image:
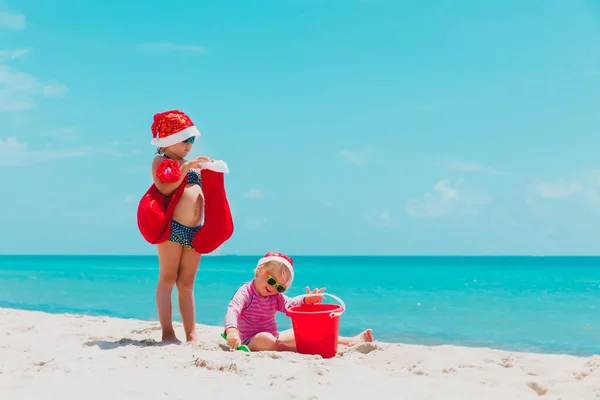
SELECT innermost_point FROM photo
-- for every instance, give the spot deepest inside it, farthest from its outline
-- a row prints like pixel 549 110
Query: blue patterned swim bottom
pixel 182 234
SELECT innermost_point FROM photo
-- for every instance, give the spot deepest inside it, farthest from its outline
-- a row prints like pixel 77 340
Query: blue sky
pixel 350 127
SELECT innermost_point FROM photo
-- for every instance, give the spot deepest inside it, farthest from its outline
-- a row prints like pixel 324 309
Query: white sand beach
pixel 46 356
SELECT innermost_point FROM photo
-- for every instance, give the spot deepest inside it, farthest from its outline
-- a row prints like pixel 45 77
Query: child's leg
pixel 287 337
pixel 188 267
pixel 265 341
pixel 169 255
pixel 364 336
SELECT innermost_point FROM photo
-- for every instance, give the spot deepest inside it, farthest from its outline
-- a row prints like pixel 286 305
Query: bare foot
pixel 170 338
pixel 280 346
pixel 363 337
pixel 191 338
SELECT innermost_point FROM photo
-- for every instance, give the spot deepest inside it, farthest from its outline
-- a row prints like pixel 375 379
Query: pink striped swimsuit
pixel 252 314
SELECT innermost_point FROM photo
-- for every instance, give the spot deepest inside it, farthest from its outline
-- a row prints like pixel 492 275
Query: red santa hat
pixel 171 127
pixel 280 257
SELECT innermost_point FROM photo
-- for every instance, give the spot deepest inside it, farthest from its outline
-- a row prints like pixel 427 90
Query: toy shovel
pixel 242 347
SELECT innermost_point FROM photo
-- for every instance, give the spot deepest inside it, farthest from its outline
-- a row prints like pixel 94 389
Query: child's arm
pixel 287 302
pixel 284 302
pixel 235 308
pixel 167 174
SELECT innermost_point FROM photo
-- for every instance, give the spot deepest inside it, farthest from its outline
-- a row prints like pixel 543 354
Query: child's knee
pixel 167 279
pixel 263 341
pixel 265 337
pixel 184 286
pixel 185 283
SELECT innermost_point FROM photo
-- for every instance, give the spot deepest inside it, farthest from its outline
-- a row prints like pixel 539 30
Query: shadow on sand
pixel 224 347
pixel 108 345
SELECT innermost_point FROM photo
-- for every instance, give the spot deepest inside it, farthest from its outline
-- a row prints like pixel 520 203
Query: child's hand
pixel 233 339
pixel 195 163
pixel 313 299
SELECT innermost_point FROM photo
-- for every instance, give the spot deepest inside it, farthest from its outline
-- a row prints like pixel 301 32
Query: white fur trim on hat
pixel 176 137
pixel 281 260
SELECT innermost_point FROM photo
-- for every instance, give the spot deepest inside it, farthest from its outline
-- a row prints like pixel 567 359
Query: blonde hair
pixel 160 150
pixel 274 267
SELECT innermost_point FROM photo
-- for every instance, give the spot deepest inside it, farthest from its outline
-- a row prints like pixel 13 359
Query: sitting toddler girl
pixel 250 318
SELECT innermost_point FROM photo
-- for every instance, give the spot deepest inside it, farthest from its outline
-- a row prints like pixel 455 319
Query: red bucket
pixel 316 326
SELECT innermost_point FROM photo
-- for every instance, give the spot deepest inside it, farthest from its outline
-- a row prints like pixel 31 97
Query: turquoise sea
pixel 539 304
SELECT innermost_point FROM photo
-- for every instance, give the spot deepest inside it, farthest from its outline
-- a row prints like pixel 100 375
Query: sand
pixel 48 356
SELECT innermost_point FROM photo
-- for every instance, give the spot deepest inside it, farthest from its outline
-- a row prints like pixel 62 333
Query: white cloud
pixel 256 223
pixel 328 204
pixel 129 198
pixel 581 186
pixel 168 46
pixel 465 166
pixel 15 153
pixel 355 157
pixel 54 89
pixel 558 190
pixel 12 54
pixel 385 216
pixel 12 20
pixel 378 218
pixel 253 194
pixel 18 90
pixel 65 134
pixel 445 199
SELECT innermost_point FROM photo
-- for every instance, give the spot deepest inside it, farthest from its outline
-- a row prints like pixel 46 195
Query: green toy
pixel 242 347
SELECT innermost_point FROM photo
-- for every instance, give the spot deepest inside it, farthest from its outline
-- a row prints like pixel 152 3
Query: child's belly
pixel 190 208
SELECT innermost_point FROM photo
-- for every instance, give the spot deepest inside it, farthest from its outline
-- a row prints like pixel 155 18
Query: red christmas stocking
pixel 155 210
pixel 218 222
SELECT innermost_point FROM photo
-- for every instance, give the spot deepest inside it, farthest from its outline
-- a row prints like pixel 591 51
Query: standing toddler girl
pixel 185 213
